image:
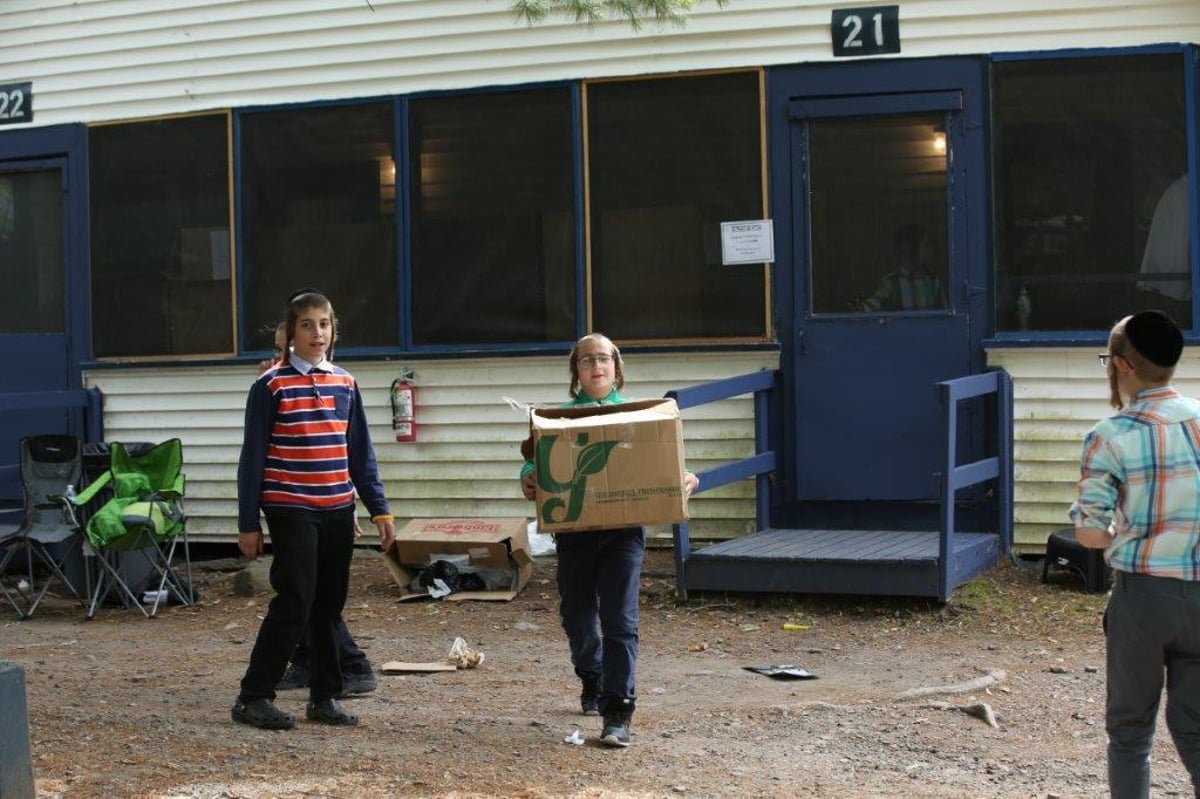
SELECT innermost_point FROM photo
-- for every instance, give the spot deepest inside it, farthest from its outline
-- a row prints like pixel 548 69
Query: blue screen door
pixel 881 305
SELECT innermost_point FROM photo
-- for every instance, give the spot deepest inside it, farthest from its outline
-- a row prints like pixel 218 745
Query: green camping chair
pixel 144 516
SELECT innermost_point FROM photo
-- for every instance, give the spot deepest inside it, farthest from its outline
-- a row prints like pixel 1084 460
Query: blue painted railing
pixel 999 467
pixel 760 465
pixel 952 478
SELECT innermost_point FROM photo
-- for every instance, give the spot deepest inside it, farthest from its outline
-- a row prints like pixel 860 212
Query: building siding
pixel 97 60
pixel 1059 393
pixel 105 60
pixel 466 459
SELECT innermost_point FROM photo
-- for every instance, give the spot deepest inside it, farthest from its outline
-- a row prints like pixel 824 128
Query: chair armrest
pixel 67 504
pixel 173 491
pixel 85 496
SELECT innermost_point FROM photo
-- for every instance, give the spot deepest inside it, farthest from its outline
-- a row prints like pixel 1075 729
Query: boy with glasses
pixel 599 571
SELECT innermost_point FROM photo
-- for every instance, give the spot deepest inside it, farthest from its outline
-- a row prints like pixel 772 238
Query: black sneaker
pixel 589 697
pixel 355 684
pixel 616 729
pixel 295 677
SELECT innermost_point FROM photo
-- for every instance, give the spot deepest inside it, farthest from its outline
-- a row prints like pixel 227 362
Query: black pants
pixel 353 660
pixel 1153 635
pixel 310 574
pixel 599 574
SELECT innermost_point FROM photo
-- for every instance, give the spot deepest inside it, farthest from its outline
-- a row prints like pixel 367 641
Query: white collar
pixel 304 367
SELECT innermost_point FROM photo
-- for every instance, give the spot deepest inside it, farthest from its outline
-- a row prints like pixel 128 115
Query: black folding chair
pixel 50 468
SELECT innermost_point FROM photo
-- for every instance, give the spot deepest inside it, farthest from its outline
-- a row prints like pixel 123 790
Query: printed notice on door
pixel 748 242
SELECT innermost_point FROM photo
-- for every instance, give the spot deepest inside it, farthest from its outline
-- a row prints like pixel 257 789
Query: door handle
pixel 800 340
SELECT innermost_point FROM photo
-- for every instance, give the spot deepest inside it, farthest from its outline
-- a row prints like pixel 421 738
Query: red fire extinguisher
pixel 404 406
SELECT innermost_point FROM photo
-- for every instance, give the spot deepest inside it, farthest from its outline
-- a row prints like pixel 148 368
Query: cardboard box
pixel 608 466
pixel 496 543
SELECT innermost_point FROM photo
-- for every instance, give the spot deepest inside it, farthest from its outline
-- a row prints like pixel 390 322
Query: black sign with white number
pixel 16 103
pixel 866 31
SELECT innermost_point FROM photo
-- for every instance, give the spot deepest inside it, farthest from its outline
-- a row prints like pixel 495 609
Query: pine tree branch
pixel 594 12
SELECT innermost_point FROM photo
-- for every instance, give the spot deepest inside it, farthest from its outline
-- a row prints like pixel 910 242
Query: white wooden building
pixel 102 82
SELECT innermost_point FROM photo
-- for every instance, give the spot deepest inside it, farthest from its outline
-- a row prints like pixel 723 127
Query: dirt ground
pixel 122 706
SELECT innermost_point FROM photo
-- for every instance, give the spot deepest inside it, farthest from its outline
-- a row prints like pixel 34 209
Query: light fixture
pixel 387 172
pixel 939 139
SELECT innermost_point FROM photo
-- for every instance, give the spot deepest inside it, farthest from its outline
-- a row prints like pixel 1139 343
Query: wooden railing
pixel 760 465
pixel 998 467
pixel 952 477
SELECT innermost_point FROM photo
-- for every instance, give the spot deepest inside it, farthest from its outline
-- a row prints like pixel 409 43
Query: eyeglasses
pixel 1104 356
pixel 588 361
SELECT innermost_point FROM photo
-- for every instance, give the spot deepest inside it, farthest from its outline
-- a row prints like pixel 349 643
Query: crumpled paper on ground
pixel 784 672
pixel 439 589
pixel 463 656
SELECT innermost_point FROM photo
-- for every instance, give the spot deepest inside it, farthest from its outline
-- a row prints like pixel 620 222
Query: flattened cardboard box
pixel 608 466
pixel 495 542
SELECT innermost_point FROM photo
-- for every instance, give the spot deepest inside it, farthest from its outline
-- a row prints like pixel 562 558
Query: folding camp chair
pixel 144 517
pixel 50 468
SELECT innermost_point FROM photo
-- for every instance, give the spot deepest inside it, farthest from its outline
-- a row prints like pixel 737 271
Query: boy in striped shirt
pixel 306 449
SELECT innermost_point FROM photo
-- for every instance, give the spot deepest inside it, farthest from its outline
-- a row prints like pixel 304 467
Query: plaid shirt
pixel 1140 474
pixel 906 291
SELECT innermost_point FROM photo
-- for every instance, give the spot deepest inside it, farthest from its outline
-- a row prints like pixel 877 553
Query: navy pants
pixel 599 574
pixel 1153 629
pixel 353 660
pixel 310 573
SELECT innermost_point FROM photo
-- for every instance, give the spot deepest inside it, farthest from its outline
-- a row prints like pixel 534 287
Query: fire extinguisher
pixel 404 406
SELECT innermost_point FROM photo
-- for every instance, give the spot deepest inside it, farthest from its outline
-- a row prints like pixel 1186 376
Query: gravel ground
pixel 127 707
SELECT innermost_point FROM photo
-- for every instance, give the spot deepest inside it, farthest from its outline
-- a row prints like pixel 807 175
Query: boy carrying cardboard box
pixel 585 477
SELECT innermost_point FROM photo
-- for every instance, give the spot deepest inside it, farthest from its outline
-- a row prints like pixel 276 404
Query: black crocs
pixel 328 711
pixel 263 714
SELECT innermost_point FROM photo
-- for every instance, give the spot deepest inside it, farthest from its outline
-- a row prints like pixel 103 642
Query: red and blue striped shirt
pixel 306 444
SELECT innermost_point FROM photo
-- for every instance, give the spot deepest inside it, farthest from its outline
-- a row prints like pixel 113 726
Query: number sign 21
pixel 865 31
pixel 16 103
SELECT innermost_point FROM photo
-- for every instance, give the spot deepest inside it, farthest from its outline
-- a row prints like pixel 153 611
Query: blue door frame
pixel 43 393
pixel 819 353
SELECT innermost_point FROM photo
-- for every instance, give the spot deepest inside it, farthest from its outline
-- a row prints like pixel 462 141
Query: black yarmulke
pixel 301 292
pixel 1155 337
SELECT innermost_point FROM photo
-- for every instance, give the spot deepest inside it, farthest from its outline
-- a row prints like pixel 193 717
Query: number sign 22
pixel 16 103
pixel 865 31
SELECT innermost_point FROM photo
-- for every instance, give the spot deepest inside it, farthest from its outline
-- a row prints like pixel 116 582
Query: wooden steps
pixel 823 561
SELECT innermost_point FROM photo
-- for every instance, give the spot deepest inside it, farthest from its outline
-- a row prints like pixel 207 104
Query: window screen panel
pixel 160 249
pixel 31 250
pixel 319 210
pixel 668 161
pixel 1090 155
pixel 493 218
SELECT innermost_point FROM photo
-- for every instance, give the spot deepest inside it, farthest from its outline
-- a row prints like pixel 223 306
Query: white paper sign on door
pixel 748 242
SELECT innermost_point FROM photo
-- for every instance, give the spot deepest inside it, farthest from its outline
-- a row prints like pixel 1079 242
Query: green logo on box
pixel 592 459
